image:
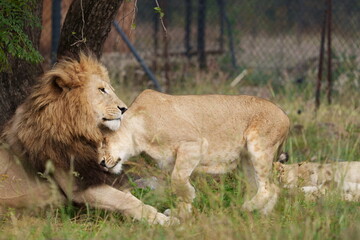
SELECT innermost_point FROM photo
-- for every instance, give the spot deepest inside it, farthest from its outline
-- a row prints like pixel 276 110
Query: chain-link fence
pixel 274 34
pixel 266 34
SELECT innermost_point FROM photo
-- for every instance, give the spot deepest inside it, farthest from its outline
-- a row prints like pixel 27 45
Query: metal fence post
pixel 321 59
pixel 137 56
pixel 221 6
pixel 329 63
pixel 55 28
pixel 201 34
pixel 188 18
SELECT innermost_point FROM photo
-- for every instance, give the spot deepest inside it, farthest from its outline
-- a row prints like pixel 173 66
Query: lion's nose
pixel 102 163
pixel 122 109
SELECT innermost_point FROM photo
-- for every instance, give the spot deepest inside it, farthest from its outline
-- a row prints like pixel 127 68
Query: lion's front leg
pixel 109 198
pixel 188 157
pixel 106 197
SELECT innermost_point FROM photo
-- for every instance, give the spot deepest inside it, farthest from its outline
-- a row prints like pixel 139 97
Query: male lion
pixel 315 179
pixel 61 126
pixel 204 133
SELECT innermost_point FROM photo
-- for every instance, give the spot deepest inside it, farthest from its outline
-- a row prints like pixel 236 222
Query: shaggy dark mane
pixel 56 123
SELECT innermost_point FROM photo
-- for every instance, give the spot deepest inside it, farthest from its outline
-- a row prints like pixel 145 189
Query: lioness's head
pixel 106 161
pixel 296 174
pixel 287 174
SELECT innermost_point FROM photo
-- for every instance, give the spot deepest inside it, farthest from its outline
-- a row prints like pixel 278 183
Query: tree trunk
pixel 86 26
pixel 16 82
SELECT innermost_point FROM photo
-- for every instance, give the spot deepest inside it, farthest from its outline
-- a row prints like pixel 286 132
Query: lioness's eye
pixel 102 90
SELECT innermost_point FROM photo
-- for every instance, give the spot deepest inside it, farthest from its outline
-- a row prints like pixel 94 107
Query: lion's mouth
pixel 112 123
pixel 112 119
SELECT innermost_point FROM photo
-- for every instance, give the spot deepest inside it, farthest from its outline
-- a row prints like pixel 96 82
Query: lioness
pixel 315 179
pixel 58 131
pixel 204 133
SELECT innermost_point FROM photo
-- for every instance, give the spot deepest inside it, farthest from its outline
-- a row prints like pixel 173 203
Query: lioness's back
pixel 210 116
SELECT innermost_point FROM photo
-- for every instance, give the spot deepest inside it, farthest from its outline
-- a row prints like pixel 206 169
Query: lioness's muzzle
pixel 106 165
pixel 103 164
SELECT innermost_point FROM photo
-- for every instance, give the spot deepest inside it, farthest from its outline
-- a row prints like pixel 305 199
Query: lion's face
pixel 84 88
pixel 107 107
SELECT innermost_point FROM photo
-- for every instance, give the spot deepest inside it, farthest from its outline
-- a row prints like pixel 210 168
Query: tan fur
pixel 205 133
pixel 19 190
pixel 315 179
pixel 63 121
pixel 105 159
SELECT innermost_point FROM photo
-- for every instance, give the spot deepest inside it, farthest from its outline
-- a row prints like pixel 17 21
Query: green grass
pixel 333 133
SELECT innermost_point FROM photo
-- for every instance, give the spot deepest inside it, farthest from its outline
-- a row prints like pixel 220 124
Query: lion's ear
pixel 63 81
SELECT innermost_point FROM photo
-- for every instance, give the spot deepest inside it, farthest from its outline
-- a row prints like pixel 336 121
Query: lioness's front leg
pixel 188 157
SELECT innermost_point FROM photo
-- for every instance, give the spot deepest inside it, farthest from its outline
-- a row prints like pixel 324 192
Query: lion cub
pixel 315 179
pixel 203 133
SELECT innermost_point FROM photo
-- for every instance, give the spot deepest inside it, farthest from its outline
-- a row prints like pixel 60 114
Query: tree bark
pixel 86 26
pixel 15 83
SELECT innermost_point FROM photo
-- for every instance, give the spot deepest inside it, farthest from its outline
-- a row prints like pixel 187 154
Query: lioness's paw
pixel 164 220
pixel 248 206
pixel 167 212
pixel 183 211
pixel 172 221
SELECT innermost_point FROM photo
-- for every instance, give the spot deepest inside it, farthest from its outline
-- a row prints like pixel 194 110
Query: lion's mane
pixel 58 125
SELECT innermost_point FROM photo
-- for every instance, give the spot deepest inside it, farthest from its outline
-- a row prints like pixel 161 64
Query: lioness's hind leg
pixel 188 157
pixel 249 175
pixel 261 156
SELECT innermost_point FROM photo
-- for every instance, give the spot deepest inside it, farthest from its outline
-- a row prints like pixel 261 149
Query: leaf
pixel 14 16
pixel 157 9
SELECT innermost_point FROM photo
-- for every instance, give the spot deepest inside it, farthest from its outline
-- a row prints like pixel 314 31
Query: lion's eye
pixel 102 90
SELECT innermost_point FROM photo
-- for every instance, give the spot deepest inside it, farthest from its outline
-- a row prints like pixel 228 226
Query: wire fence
pixel 266 34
